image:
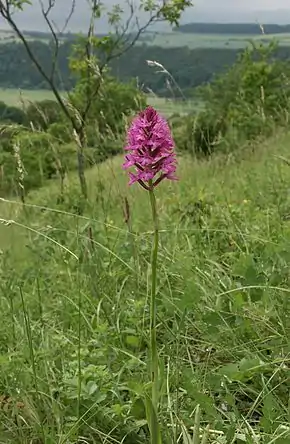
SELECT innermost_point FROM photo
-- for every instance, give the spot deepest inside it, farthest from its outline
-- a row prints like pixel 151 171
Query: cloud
pixel 204 10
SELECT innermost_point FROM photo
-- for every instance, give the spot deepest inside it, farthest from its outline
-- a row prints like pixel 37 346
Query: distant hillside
pixel 232 28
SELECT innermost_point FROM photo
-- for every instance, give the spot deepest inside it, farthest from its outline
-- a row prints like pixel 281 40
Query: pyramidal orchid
pixel 150 150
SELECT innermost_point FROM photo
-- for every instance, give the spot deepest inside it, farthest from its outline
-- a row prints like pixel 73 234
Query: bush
pixel 198 134
pixel 62 132
pixel 41 159
pixel 115 101
pixel 107 148
pixel 249 101
pixel 11 114
pixel 208 133
pixel 43 114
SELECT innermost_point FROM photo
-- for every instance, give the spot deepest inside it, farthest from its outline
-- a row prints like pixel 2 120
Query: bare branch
pixel 72 10
pixel 118 41
pixel 45 13
pixel 6 12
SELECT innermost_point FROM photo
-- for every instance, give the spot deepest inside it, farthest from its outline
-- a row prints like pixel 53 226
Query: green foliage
pixel 11 114
pixel 40 157
pixel 208 132
pixel 171 11
pixel 190 67
pixel 61 131
pixel 75 336
pixel 43 113
pixel 247 102
pixel 49 150
pixel 46 156
pixel 199 134
pixel 36 157
pixel 18 4
pixel 114 102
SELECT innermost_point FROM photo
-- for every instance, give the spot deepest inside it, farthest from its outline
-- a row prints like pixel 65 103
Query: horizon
pixel 217 22
pixel 204 11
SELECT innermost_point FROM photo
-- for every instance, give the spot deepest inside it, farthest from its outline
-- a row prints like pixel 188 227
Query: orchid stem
pixel 153 318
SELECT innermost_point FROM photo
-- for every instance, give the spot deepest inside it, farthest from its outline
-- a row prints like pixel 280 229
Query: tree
pixel 124 35
pixel 246 102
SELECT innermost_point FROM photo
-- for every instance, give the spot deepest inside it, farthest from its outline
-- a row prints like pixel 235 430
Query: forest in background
pixel 189 68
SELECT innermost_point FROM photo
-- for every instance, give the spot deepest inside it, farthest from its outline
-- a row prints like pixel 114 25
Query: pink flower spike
pixel 150 150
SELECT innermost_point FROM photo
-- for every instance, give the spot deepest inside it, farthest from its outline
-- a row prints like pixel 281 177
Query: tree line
pixel 189 67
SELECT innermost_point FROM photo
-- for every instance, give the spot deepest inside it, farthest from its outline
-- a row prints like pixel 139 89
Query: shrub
pixel 11 114
pixel 208 133
pixel 198 134
pixel 41 158
pixel 115 101
pixel 250 100
pixel 43 114
pixel 62 132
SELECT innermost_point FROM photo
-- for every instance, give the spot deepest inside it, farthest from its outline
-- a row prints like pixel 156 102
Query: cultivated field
pixel 16 97
pixel 192 40
pixel 9 36
pixel 167 107
pixel 178 39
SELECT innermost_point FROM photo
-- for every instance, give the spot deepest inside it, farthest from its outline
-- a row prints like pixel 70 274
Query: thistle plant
pixel 150 151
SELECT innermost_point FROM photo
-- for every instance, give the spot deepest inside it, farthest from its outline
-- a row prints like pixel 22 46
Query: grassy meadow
pixel 167 107
pixel 74 305
pixel 16 97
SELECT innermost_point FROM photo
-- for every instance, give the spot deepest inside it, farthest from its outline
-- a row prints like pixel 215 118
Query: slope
pixel 74 296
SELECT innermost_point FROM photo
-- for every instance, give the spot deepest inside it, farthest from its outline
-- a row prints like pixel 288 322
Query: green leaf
pixel 231 371
pixel 133 341
pixel 253 364
pixel 152 421
pixel 19 4
pixel 138 409
pixel 91 387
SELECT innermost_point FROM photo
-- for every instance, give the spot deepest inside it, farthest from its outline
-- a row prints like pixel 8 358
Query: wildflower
pixel 150 149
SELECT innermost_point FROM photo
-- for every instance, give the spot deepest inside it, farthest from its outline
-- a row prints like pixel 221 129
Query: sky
pixel 274 11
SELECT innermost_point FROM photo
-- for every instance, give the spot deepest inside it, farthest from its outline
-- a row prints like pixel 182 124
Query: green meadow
pixel 14 97
pixel 74 286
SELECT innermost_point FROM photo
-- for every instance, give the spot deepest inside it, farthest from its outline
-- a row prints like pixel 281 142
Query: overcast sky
pixel 274 11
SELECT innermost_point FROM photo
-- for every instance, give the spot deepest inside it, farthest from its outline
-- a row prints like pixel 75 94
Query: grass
pixel 74 305
pixel 14 97
pixel 194 41
pixel 170 106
